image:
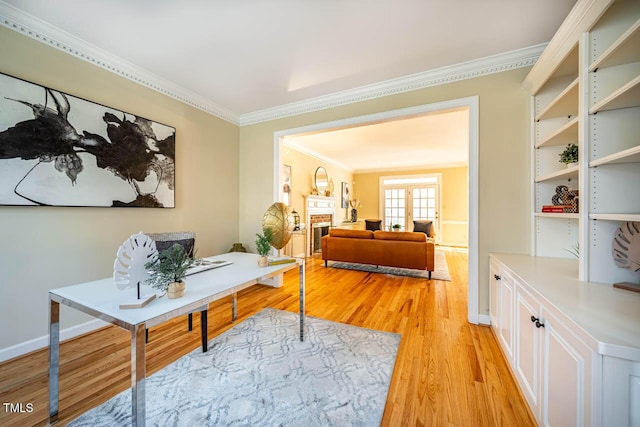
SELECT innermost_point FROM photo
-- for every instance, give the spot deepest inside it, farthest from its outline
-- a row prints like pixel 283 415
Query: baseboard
pixel 43 341
pixel 484 319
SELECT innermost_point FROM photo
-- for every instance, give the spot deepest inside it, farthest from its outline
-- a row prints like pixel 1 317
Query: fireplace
pixel 318 230
pixel 320 212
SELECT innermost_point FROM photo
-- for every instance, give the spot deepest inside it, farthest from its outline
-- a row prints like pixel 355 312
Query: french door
pixel 405 203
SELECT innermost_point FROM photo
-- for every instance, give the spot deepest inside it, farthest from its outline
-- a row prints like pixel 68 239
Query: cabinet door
pixel 505 309
pixel 620 392
pixel 494 296
pixel 566 375
pixel 528 348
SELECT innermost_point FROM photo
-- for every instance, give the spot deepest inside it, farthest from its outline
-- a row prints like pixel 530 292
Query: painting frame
pixel 58 149
pixel 286 184
pixel 346 195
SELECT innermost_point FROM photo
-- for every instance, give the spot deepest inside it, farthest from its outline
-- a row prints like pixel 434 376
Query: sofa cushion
pixel 373 224
pixel 406 236
pixel 423 226
pixel 354 234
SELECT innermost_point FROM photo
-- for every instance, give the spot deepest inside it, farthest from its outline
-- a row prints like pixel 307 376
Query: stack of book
pixel 556 208
pixel 280 260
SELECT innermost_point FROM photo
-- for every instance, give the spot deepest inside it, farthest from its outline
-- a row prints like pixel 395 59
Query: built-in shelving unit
pixel 586 91
pixel 613 135
pixel 556 124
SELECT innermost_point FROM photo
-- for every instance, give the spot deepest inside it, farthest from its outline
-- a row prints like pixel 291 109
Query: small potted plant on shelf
pixel 263 246
pixel 168 270
pixel 396 227
pixel 570 155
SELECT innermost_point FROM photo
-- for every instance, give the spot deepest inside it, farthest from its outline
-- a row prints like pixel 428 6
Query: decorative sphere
pixel 277 218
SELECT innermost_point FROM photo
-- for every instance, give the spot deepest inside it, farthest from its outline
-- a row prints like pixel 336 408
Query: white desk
pixel 101 299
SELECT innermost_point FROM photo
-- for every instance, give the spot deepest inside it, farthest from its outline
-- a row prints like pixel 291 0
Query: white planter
pixel 263 261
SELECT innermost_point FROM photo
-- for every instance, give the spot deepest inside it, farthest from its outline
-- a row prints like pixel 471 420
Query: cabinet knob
pixel 535 320
pixel 495 276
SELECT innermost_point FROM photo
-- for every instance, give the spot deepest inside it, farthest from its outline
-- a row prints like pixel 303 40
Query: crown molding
pixel 28 25
pixel 520 58
pixel 581 19
pixel 46 33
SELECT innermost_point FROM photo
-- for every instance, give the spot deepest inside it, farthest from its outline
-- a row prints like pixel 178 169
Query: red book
pixel 553 209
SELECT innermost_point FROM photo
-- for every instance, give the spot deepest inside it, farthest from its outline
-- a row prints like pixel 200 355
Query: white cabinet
pixel 621 392
pixel 528 348
pixel 573 346
pixel 566 373
pixel 501 309
pixel 552 365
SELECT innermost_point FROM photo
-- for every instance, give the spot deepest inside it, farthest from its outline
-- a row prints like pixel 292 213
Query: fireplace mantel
pixel 318 206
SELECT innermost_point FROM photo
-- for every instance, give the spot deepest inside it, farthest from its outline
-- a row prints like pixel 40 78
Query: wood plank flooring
pixel 448 372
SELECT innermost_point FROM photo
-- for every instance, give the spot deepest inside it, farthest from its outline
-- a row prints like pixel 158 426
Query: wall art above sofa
pixel 60 150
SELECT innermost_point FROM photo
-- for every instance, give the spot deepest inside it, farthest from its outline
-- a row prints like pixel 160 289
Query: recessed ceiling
pixel 439 139
pixel 248 56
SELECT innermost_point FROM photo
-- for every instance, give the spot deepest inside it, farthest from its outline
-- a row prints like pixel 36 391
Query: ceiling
pixel 247 56
pixel 250 61
pixel 439 139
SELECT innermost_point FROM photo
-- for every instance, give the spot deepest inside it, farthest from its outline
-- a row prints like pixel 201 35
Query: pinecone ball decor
pixel 278 219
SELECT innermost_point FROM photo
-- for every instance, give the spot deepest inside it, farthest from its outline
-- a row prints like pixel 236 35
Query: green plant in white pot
pixel 168 270
pixel 396 227
pixel 570 155
pixel 263 246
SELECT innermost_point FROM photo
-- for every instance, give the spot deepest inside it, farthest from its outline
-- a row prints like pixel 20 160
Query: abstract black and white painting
pixel 60 150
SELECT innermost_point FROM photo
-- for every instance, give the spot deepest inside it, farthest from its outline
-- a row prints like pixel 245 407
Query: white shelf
pixel 565 135
pixel 616 217
pixel 557 215
pixel 626 96
pixel 568 173
pixel 632 155
pixel 565 104
pixel 623 51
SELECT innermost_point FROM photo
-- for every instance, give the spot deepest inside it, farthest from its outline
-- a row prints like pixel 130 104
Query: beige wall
pixel 454 197
pixel 48 247
pixel 303 168
pixel 504 159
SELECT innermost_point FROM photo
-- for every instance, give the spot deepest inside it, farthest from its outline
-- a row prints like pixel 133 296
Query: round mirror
pixel 321 180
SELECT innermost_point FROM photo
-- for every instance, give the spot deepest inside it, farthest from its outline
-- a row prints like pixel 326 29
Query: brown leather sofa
pixel 395 249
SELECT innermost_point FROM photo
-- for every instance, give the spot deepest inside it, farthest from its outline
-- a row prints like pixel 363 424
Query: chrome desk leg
pixel 302 292
pixel 54 358
pixel 138 374
pixel 234 306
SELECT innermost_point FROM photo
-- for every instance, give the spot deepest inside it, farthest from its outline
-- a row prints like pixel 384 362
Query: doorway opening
pixel 472 106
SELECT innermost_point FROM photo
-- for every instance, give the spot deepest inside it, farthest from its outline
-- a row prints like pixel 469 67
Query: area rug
pixel 258 373
pixel 440 272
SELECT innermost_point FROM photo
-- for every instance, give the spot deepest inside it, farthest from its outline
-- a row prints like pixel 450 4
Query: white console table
pixel 102 299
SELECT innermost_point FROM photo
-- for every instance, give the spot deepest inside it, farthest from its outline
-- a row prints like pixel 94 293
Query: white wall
pixel 47 247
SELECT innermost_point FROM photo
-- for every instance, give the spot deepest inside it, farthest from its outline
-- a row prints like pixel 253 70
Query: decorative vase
pixel 176 289
pixel 570 165
pixel 263 261
pixel 354 215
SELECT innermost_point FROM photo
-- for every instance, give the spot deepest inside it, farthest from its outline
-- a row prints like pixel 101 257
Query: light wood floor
pixel 448 372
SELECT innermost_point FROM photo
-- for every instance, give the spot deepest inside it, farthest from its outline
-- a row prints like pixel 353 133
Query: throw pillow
pixel 373 224
pixel 423 226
